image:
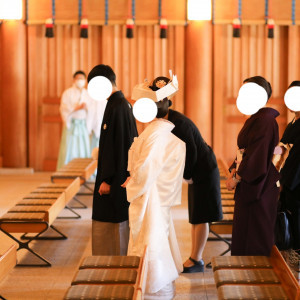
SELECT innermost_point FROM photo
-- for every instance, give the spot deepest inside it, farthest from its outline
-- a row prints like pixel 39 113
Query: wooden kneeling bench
pixel 255 277
pixel 34 219
pixel 83 168
pixel 251 292
pixel 111 262
pixel 7 262
pixel 109 277
pixel 70 189
pixel 116 292
pixel 222 227
pixel 50 190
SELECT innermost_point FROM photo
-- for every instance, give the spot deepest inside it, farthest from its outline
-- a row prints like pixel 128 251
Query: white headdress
pixel 143 90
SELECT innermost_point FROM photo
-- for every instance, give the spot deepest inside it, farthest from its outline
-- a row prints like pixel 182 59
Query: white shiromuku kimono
pixel 156 163
pixel 75 138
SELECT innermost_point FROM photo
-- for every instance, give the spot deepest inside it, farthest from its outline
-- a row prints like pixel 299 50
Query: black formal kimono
pixel 204 197
pixel 118 130
pixel 290 179
pixel 256 195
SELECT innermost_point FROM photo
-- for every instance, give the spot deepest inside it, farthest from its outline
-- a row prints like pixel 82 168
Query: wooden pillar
pixel 13 94
pixel 198 76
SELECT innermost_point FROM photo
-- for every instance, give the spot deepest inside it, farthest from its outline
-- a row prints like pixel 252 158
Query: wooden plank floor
pixel 65 255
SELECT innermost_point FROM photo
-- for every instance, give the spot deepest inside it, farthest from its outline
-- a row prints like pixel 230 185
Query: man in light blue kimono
pixel 75 141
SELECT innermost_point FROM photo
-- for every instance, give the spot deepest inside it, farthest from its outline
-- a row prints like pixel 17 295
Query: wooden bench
pixel 47 190
pixel 83 168
pixel 34 214
pixel 223 169
pixel 224 226
pixel 7 262
pixel 255 277
pixel 79 167
pixel 109 277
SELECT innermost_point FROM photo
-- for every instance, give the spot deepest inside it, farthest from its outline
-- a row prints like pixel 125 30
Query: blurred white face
pixel 292 98
pixel 100 88
pixel 251 98
pixel 80 80
pixel 145 110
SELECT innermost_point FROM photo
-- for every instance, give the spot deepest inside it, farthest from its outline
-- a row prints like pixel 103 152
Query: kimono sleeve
pixel 66 107
pixel 145 171
pixel 233 166
pixel 290 173
pixel 185 133
pixel 259 150
pixel 119 137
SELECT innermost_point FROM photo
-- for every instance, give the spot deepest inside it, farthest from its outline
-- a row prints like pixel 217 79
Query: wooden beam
pixel 13 91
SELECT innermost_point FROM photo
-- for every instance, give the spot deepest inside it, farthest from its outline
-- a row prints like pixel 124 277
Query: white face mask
pixel 80 83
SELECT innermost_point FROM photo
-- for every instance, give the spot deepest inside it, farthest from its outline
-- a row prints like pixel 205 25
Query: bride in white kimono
pixel 156 163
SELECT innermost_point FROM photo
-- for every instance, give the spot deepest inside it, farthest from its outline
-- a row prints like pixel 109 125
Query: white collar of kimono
pixel 159 126
pixel 251 98
pixel 163 124
pixel 292 98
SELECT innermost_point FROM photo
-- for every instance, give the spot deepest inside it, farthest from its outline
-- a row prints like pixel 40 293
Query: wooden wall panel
pixel 67 11
pixel 1 99
pixel 253 11
pixel 95 9
pixel 13 94
pixel 53 61
pixel 198 92
pixel 237 59
pixel 39 9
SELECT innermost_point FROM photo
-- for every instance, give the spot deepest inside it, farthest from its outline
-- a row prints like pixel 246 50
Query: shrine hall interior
pixel 209 62
pixel 199 47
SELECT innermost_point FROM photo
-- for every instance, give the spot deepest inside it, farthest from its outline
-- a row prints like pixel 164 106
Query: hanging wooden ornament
pixel 84 28
pixel 269 21
pixel 163 28
pixel 83 21
pixel 50 23
pixel 270 28
pixel 129 28
pixel 163 24
pixel 130 20
pixel 49 28
pixel 236 28
pixel 237 22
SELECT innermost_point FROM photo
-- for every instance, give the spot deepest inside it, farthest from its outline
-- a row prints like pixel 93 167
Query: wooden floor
pixel 65 255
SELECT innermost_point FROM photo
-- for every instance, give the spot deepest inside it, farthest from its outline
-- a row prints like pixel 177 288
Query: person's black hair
pixel 294 83
pixel 103 70
pixel 79 72
pixel 163 105
pixel 262 82
pixel 153 86
pixel 162 108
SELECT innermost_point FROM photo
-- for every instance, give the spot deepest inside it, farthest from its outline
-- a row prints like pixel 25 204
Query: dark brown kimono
pixel 256 195
pixel 290 179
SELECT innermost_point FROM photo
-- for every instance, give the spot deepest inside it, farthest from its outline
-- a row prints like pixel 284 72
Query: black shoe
pixel 197 267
